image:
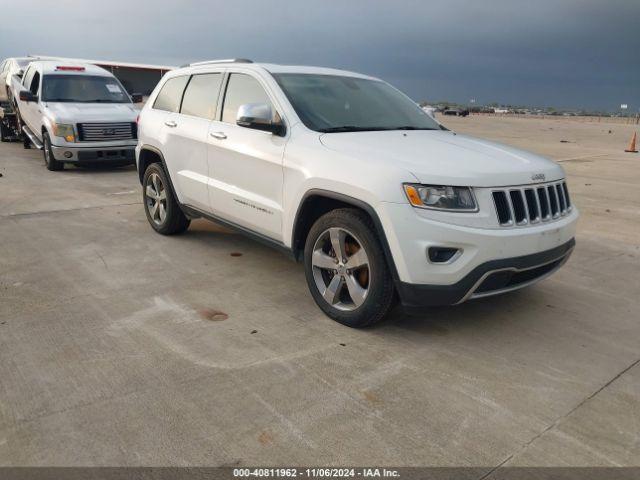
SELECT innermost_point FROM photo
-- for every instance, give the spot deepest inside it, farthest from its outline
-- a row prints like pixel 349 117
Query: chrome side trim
pixel 32 137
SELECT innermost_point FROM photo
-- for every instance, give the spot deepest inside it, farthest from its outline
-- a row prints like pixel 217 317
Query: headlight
pixel 65 131
pixel 441 197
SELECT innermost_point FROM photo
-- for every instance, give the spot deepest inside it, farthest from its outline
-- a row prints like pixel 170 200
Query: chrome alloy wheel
pixel 341 269
pixel 156 199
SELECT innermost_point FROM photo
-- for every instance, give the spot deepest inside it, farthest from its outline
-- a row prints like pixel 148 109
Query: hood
pixel 64 112
pixel 446 158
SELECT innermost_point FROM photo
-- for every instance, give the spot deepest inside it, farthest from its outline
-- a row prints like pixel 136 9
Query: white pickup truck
pixel 76 113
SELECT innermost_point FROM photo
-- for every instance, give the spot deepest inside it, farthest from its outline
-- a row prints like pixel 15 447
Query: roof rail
pixel 229 60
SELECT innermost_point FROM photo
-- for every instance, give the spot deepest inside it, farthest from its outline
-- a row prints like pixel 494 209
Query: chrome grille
pixel 519 206
pixel 104 132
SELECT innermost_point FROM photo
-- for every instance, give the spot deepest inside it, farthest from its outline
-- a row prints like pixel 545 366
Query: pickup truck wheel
pixel 51 163
pixel 26 143
pixel 160 205
pixel 346 270
pixel 4 132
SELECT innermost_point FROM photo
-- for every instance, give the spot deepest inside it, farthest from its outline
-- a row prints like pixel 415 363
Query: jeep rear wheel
pixel 346 270
pixel 160 205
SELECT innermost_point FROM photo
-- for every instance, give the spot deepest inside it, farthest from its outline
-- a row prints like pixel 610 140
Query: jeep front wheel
pixel 346 269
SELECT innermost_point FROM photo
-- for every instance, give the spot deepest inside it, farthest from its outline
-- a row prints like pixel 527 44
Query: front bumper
pixel 490 278
pixel 102 154
pixel 490 260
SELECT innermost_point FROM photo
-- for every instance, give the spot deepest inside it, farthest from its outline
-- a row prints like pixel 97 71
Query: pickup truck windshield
pixel 82 89
pixel 334 103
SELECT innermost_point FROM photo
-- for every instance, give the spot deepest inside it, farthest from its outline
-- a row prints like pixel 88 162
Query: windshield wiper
pixel 350 128
pixel 409 127
pixel 353 128
pixel 75 100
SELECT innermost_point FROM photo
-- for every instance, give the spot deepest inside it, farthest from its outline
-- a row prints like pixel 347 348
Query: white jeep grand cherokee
pixel 345 172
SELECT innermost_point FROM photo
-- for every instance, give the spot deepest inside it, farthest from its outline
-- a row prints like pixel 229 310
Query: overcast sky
pixel 565 53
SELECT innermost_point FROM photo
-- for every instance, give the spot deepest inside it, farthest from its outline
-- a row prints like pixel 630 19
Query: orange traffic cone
pixel 632 145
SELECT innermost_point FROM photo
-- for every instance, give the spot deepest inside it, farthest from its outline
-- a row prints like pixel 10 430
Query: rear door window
pixel 201 96
pixel 170 95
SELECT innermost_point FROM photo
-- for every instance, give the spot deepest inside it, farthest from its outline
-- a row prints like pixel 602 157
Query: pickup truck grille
pixel 519 206
pixel 104 132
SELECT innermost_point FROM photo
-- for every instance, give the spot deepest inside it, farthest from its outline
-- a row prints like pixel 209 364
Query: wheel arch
pixel 146 157
pixel 317 202
pixel 45 128
pixel 149 155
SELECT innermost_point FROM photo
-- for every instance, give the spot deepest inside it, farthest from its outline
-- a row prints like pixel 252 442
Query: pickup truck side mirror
pixel 136 97
pixel 258 116
pixel 27 96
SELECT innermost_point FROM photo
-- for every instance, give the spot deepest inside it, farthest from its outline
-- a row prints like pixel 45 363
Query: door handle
pixel 171 124
pixel 218 135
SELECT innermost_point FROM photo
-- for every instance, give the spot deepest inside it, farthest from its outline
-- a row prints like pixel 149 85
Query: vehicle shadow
pixel 484 314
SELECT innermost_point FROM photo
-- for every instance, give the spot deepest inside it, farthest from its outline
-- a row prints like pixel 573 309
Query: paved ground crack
pixel 561 418
pixel 48 212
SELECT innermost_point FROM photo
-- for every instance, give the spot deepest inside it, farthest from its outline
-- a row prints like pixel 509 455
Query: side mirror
pixel 136 97
pixel 258 116
pixel 27 96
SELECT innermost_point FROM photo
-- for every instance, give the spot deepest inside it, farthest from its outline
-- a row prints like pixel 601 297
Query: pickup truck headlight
pixel 65 131
pixel 441 197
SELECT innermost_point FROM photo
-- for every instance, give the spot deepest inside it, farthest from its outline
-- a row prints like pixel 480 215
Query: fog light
pixel 68 154
pixel 443 254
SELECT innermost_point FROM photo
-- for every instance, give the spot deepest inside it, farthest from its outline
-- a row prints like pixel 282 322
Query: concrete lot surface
pixel 122 347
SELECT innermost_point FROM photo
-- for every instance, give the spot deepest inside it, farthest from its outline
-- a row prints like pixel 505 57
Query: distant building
pixel 135 77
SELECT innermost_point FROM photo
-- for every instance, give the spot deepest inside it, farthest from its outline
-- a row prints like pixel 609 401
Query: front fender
pixel 47 124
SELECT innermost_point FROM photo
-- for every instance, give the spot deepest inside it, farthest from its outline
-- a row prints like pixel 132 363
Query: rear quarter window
pixel 170 95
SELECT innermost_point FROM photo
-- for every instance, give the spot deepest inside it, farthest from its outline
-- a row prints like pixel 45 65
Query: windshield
pixel 83 89
pixel 333 103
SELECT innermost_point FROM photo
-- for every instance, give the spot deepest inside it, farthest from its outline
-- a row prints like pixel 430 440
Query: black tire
pixel 174 221
pixel 4 132
pixel 379 298
pixel 26 143
pixel 51 163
